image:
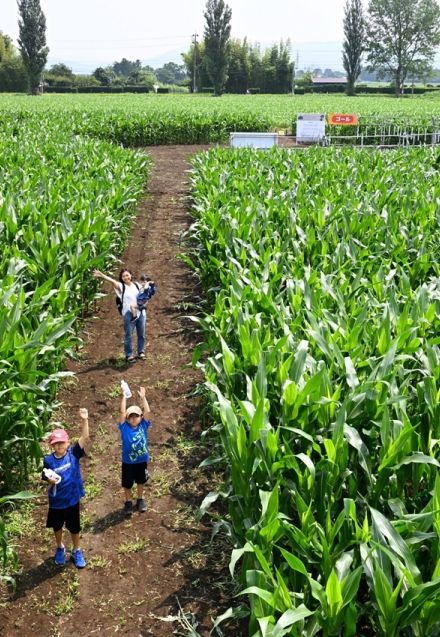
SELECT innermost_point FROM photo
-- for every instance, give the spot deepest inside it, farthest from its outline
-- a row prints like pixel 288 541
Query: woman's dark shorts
pixel 134 473
pixel 56 518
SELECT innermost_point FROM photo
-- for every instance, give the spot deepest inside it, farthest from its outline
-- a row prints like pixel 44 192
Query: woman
pixel 127 290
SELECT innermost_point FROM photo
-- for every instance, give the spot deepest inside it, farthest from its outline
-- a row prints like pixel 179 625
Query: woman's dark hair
pixel 122 272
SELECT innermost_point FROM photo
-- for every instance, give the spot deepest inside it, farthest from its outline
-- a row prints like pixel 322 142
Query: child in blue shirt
pixel 146 290
pixel 62 471
pixel 134 436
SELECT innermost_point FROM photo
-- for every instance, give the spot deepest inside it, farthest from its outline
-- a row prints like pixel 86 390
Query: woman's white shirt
pixel 130 294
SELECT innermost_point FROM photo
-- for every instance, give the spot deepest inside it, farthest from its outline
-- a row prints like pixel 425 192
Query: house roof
pixel 329 80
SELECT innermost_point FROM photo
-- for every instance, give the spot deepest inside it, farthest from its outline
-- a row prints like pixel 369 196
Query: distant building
pixel 325 81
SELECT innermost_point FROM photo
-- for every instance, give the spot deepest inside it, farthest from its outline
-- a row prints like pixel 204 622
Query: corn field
pixel 321 343
pixel 124 123
pixel 322 363
pixel 140 120
pixel 65 206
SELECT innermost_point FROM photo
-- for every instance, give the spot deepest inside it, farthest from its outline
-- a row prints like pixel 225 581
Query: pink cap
pixel 58 435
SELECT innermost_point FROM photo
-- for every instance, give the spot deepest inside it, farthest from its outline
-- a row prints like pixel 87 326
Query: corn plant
pixel 8 556
pixel 65 203
pixel 322 364
pixel 144 119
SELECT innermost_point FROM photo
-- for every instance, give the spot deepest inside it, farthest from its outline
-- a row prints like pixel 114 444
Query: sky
pixel 85 34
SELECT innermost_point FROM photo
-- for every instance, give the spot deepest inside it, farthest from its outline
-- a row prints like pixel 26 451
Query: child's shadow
pixel 34 577
pixel 46 570
pixel 106 363
pixel 111 519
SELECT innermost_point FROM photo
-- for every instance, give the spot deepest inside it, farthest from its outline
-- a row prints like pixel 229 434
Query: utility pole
pixel 195 62
pixel 294 67
pixel 293 78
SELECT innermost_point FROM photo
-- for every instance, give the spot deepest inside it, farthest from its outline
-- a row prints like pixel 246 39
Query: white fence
pixel 390 133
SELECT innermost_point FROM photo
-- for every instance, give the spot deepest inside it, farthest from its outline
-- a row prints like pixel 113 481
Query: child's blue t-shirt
pixel 134 442
pixel 70 490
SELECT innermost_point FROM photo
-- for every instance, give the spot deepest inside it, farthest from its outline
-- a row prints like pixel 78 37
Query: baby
pixel 147 288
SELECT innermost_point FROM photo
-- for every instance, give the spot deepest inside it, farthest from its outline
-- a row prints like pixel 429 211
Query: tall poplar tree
pixel 217 46
pixel 353 45
pixel 402 37
pixel 32 40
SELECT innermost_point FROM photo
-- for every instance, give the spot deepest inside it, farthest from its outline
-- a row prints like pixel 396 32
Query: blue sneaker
pixel 60 556
pixel 78 558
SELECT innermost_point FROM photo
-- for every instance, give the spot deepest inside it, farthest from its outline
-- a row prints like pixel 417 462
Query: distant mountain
pixel 85 67
pixel 309 55
pixel 169 56
pixel 323 55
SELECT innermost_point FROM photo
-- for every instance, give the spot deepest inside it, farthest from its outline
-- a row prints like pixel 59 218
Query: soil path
pixel 141 570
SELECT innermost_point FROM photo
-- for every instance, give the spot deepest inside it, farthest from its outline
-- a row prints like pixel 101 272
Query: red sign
pixel 341 119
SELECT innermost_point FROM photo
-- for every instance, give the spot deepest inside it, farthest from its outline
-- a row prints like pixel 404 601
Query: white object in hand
pixel 126 389
pixel 52 475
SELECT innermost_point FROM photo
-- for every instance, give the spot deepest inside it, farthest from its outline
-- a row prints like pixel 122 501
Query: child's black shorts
pixel 56 518
pixel 134 473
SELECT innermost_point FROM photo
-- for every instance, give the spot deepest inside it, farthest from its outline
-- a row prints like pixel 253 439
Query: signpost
pixel 342 119
pixel 310 127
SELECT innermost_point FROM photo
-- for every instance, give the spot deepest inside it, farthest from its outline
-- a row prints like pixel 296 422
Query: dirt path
pixel 138 570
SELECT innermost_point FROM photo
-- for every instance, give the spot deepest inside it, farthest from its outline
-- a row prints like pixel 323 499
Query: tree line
pixel 14 76
pixel 395 39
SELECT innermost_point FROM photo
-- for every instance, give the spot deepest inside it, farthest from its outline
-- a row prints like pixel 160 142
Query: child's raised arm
pixel 144 403
pixel 150 289
pixel 123 407
pixel 84 438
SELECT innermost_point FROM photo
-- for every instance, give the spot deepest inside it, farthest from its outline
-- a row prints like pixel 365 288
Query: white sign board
pixel 310 127
pixel 253 140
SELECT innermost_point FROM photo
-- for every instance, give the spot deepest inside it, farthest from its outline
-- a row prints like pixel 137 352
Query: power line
pixel 111 48
pixel 163 37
